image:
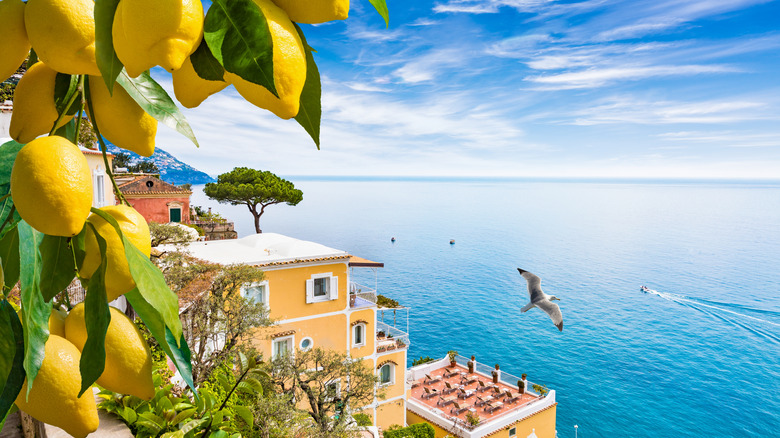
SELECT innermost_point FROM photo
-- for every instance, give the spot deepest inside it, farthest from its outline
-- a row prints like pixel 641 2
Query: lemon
pixel 57 322
pixel 120 119
pixel 190 89
pixel 289 67
pixel 51 186
pixel 34 109
pixel 156 32
pixel 134 227
pixel 128 359
pixel 62 32
pixel 314 11
pixel 54 398
pixel 14 46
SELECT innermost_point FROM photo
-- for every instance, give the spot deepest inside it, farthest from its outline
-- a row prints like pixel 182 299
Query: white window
pixel 99 189
pixel 322 287
pixel 359 335
pixel 282 347
pixel 258 292
pixel 332 390
pixel 387 374
pixel 306 344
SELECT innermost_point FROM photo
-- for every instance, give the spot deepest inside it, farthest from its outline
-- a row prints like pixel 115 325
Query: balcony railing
pixel 389 338
pixel 504 377
pixel 361 296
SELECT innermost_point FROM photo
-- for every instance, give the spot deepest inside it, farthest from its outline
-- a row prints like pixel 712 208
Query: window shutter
pixel 309 290
pixel 334 288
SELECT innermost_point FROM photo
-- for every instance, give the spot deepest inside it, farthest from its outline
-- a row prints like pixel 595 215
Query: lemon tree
pixel 88 63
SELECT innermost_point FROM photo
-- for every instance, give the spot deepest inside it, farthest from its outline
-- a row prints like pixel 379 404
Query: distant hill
pixel 171 169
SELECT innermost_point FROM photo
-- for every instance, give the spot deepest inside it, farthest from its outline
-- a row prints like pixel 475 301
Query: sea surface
pixel 699 358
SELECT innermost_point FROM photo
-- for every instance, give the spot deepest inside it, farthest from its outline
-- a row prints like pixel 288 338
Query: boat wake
pixel 731 313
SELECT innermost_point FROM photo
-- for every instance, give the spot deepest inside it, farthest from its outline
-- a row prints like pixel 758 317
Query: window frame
pixel 333 288
pixel 392 375
pixel 338 389
pixel 99 188
pixel 266 292
pixel 311 344
pixel 290 343
pixel 355 344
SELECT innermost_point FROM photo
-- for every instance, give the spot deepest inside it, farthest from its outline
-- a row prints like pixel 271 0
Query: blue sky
pixel 523 88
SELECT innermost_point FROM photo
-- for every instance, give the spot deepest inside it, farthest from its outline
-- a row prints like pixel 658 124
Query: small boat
pixel 392 239
pixel 646 289
pixel 452 241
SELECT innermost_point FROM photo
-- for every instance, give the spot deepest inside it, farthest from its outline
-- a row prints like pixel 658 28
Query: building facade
pixel 311 296
pixel 157 200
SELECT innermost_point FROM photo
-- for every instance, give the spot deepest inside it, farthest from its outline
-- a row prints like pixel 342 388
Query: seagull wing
pixel 534 285
pixel 553 311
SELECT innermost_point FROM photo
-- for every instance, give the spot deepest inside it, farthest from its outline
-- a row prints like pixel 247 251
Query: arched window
pixel 386 374
pixel 359 335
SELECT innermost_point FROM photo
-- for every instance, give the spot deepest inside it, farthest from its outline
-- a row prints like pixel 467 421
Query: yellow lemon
pixel 289 66
pixel 134 227
pixel 190 89
pixel 34 109
pixel 62 32
pixel 54 396
pixel 51 186
pixel 14 46
pixel 120 119
pixel 128 359
pixel 315 11
pixel 57 322
pixel 156 32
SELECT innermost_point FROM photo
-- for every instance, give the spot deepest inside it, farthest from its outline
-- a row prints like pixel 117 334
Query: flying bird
pixel 541 300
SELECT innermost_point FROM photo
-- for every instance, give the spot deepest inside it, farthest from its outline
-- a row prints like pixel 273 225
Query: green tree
pixel 331 383
pixel 145 166
pixel 122 160
pixel 256 189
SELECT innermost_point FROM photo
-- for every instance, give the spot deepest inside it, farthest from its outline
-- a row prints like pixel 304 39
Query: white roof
pixel 260 249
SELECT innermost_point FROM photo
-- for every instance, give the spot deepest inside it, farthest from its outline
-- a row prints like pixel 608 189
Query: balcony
pixel 389 338
pixel 361 296
pixel 483 407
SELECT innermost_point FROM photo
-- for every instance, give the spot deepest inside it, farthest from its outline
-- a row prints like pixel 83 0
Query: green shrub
pixel 419 430
pixel 383 301
pixel 362 419
pixel 422 360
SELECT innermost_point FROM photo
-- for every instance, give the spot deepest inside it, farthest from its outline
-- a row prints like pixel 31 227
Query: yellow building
pixel 314 302
pixel 102 189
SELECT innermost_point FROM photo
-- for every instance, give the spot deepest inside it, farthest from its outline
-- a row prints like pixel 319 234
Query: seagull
pixel 541 300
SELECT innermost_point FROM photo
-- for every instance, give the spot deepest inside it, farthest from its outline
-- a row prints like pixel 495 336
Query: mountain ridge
pixel 172 169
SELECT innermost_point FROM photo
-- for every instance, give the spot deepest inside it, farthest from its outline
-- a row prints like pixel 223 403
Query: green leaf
pixel 183 415
pixel 58 269
pixel 8 153
pixel 33 58
pixel 149 281
pixel 98 317
pixel 180 355
pixel 224 382
pixel 218 434
pixel 11 361
pixel 206 65
pixel 35 310
pixel 65 86
pixel 9 256
pixel 129 415
pixel 192 425
pixel 237 33
pixel 381 7
pixel 79 247
pixel 108 63
pixel 245 414
pixel 68 131
pixel 150 96
pixel 310 112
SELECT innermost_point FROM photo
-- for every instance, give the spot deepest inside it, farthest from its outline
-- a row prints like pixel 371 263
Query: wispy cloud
pixel 724 138
pixel 430 65
pixel 592 78
pixel 626 109
pixel 488 6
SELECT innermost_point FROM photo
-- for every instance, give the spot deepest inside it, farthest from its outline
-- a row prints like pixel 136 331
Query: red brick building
pixel 157 200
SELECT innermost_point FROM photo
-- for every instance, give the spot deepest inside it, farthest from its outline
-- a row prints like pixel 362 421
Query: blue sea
pixel 699 358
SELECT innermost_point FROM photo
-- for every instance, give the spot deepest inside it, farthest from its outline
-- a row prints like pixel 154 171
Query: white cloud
pixel 592 78
pixel 489 6
pixel 430 65
pixel 623 110
pixel 724 138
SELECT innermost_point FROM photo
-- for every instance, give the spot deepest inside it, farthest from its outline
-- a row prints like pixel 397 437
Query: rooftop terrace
pixel 448 396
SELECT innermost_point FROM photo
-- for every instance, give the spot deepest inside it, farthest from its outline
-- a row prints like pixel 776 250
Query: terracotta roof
pixel 87 151
pixel 356 261
pixel 301 260
pixel 148 184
